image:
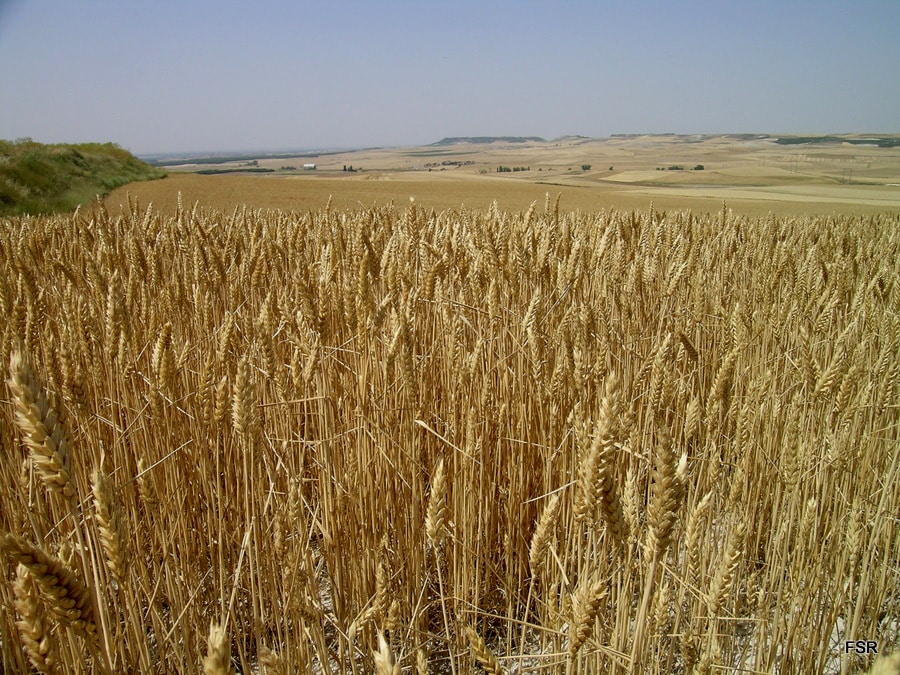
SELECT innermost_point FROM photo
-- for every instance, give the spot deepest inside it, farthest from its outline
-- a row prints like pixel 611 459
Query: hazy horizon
pixel 165 77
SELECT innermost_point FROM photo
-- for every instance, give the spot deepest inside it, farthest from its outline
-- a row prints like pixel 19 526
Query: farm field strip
pixel 756 176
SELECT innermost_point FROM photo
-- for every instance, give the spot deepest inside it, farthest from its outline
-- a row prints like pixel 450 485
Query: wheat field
pixel 396 440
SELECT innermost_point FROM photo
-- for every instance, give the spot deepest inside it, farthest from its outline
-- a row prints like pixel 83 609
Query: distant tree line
pixel 676 167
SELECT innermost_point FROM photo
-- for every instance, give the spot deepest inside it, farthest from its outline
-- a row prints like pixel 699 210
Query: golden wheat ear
pixel 482 653
pixel 218 655
pixel 34 630
pixel 68 599
pixel 585 605
pixel 40 426
pixel 110 522
pixel 543 534
pixel 436 515
pixel 384 660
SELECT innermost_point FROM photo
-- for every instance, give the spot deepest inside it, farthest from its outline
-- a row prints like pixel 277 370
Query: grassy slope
pixel 37 178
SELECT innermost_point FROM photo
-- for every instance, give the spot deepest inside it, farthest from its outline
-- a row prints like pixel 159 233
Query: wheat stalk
pixel 596 480
pixel 163 360
pixel 889 664
pixel 693 537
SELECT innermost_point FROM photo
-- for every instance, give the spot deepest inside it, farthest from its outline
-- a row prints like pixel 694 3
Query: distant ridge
pixel 453 140
pixel 880 141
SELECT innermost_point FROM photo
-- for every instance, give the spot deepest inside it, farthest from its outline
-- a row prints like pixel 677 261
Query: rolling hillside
pixel 37 178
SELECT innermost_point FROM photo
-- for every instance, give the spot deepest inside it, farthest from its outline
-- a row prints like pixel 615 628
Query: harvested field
pixel 756 176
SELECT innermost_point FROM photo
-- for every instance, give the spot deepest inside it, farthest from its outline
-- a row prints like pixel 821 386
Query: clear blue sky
pixel 166 75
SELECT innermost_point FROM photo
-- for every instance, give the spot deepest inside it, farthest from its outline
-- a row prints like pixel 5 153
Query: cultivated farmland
pixel 399 440
pixel 755 174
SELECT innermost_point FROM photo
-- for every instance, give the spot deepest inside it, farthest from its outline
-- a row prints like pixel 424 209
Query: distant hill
pixel 453 140
pixel 37 178
pixel 880 141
